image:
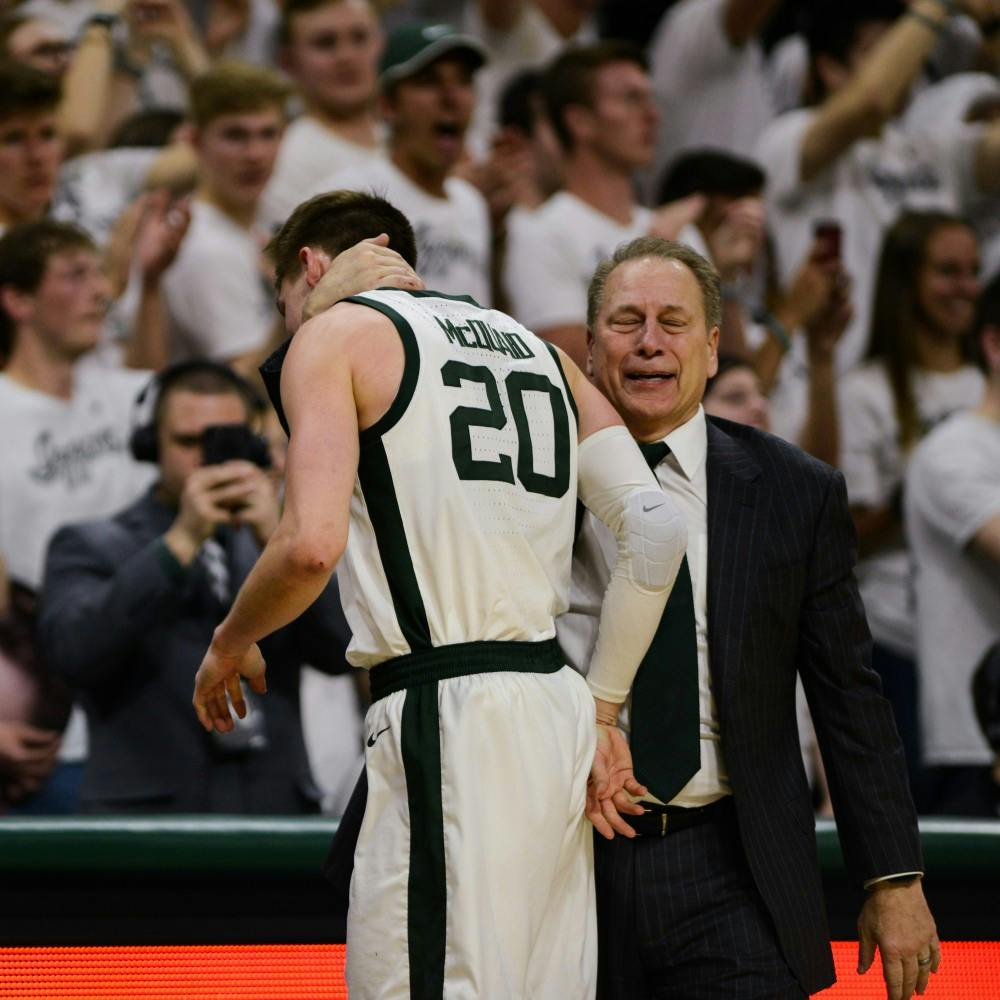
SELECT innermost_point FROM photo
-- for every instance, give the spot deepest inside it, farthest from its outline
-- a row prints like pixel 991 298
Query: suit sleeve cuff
pixel 899 878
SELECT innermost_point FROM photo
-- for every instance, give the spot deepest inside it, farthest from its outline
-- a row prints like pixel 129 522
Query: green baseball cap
pixel 412 46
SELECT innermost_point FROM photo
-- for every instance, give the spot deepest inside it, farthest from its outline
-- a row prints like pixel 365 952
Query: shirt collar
pixel 689 445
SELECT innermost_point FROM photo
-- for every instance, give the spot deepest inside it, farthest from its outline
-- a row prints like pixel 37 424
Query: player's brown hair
pixel 335 221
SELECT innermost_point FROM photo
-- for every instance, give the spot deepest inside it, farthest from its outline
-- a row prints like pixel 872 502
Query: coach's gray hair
pixel 656 247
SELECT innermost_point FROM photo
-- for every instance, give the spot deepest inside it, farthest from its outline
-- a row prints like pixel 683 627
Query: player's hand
pixel 896 920
pixel 219 674
pixel 611 783
pixel 367 265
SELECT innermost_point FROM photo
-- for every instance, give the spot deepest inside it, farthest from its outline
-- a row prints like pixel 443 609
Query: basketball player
pixel 445 436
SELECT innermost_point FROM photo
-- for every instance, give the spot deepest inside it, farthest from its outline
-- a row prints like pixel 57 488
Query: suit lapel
pixel 737 518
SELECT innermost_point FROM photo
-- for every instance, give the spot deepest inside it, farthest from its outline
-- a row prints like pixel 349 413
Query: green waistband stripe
pixel 426 892
pixel 462 659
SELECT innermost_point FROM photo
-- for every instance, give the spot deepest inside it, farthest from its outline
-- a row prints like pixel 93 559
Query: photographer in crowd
pixel 130 604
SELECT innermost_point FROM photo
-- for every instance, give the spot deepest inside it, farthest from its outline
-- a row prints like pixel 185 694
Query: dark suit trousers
pixel 679 918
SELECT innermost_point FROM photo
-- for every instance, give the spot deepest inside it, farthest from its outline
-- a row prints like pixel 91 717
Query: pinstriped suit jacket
pixel 782 599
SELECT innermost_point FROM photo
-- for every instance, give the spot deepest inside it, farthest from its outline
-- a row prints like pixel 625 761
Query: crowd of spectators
pixel 838 161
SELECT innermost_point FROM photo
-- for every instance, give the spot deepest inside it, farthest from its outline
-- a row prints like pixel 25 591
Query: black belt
pixel 659 821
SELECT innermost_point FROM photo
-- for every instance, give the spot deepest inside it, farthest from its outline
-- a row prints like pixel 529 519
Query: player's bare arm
pixel 317 388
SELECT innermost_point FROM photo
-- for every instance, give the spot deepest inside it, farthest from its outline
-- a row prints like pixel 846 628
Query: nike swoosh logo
pixel 656 506
pixel 375 736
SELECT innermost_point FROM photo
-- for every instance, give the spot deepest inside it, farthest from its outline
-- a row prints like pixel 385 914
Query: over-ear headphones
pixel 144 440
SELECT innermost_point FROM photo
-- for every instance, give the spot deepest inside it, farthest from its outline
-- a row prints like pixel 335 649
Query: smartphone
pixel 226 442
pixel 828 237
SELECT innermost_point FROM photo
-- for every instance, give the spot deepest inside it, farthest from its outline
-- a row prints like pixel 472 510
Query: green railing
pixel 297 846
pixel 177 880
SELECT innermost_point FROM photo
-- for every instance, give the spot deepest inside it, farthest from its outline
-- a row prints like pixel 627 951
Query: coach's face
pixel 651 352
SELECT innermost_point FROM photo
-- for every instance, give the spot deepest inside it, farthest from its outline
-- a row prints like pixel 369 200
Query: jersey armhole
pixel 411 371
pixel 569 394
pixel 270 373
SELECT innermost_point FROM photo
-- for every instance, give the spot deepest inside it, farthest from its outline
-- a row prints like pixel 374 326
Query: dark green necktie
pixel 664 718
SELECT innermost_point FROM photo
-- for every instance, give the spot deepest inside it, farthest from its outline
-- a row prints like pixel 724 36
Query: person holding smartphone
pixel 130 602
pixel 916 375
pixel 847 157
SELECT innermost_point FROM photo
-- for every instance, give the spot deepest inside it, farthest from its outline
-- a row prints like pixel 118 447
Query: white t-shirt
pixel 310 152
pixel 64 461
pixel 552 253
pixel 530 43
pixel 258 42
pixel 953 490
pixel 957 50
pixel 95 188
pixel 950 101
pixel 873 464
pixel 865 188
pixel 710 92
pixel 453 233
pixel 218 297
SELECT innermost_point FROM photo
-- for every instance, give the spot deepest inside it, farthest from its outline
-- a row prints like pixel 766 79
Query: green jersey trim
pixel 429 294
pixel 375 477
pixel 427 900
pixel 411 371
pixel 565 382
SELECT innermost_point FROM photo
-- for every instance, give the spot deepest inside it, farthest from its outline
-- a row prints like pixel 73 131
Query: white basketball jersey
pixel 462 517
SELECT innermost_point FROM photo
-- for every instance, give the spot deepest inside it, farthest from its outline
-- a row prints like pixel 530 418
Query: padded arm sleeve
pixel 618 487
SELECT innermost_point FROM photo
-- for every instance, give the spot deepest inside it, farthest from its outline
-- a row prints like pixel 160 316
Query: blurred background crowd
pixel 838 161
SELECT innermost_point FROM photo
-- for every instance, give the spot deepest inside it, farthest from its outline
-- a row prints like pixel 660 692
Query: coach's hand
pixel 362 267
pixel 611 783
pixel 219 674
pixel 896 919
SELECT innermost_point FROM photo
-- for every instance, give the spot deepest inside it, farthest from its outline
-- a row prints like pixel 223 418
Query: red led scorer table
pixel 316 972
